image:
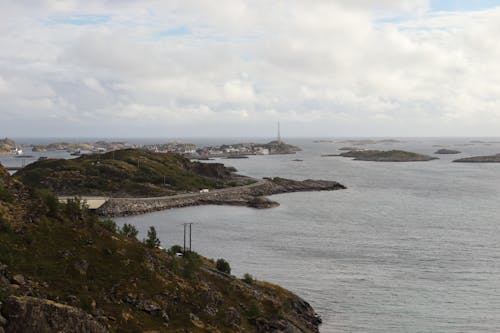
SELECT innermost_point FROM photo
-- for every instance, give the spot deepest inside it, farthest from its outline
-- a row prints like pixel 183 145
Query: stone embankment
pixel 251 196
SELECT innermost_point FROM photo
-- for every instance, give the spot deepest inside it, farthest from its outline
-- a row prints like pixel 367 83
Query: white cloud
pixel 242 63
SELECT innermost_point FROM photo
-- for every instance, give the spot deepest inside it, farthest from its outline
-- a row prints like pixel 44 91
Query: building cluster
pixel 172 147
pixel 235 149
pixel 209 151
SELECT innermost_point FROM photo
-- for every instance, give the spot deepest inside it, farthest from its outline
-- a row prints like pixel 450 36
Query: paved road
pixel 100 200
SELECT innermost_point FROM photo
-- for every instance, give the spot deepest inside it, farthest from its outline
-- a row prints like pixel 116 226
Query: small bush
pixel 76 209
pixel 191 264
pixel 5 224
pixel 175 249
pixel 50 201
pixel 223 266
pixel 129 231
pixel 109 225
pixel 5 195
pixel 248 278
pixel 152 241
pixel 253 310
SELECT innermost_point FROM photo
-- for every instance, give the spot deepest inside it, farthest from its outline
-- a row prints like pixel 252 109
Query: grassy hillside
pixel 129 172
pixel 61 254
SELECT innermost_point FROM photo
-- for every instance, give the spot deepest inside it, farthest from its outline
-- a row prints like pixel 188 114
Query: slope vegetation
pixel 64 270
pixel 129 172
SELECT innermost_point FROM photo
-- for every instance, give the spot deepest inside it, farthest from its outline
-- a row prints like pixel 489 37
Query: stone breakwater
pixel 251 196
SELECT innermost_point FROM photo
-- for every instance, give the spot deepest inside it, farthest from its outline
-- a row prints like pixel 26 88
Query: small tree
pixel 223 266
pixel 130 231
pixel 248 278
pixel 152 241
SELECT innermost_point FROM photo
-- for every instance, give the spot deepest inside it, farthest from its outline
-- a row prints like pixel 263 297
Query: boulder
pixel 34 315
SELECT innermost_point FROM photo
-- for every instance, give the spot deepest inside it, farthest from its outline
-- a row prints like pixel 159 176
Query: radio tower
pixel 279 133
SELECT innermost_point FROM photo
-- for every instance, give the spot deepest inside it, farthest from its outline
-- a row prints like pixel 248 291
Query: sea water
pixel 408 247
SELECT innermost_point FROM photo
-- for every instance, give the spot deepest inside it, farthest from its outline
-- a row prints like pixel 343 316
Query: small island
pixel 480 159
pixel 349 148
pixel 9 147
pixel 445 151
pixel 387 156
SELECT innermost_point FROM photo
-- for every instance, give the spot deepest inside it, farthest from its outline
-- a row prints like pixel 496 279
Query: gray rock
pixel 232 317
pixel 33 315
pixel 18 279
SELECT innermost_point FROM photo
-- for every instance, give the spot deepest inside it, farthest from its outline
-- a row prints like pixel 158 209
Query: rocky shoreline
pixel 480 159
pixel 253 195
pixel 387 156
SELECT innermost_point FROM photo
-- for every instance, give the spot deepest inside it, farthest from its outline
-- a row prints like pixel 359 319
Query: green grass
pixel 133 172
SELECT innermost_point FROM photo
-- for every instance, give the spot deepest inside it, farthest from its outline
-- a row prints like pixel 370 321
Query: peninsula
pixel 62 269
pixel 253 195
pixel 387 156
pixel 128 173
pixel 137 181
pixel 480 159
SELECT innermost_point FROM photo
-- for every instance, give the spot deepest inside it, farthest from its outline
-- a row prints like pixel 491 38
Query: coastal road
pixel 95 202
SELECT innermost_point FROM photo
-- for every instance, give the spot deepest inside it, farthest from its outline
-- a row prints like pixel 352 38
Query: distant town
pixel 237 150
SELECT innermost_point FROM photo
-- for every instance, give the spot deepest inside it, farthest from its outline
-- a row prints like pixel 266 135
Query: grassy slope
pixel 50 246
pixel 130 172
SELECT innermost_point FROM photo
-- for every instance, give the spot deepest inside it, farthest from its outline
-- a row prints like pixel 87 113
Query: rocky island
pixel 387 156
pixel 480 159
pixel 447 151
pixel 7 146
pixel 62 269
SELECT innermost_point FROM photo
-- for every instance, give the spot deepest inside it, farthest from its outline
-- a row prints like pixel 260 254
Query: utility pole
pixel 190 243
pixel 184 248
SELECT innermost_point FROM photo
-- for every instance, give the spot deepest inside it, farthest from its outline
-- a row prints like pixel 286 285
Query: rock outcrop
pixel 387 156
pixel 249 195
pixel 34 315
pixel 480 159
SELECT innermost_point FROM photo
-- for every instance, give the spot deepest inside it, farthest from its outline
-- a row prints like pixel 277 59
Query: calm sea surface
pixel 408 247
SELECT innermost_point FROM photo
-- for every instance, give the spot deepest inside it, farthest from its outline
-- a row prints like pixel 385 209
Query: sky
pixel 233 68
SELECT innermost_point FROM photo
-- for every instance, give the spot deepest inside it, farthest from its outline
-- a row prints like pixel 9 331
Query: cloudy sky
pixel 234 68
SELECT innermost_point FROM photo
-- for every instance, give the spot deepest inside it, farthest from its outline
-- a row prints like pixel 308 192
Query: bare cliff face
pixel 64 270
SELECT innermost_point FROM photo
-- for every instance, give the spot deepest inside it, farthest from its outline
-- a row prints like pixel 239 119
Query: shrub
pixel 130 231
pixel 223 266
pixel 191 264
pixel 248 278
pixel 5 195
pixel 109 225
pixel 5 224
pixel 175 249
pixel 50 200
pixel 75 209
pixel 152 241
pixel 253 310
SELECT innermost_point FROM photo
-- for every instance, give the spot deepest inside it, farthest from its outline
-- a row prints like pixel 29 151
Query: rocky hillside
pixel 64 270
pixel 387 156
pixel 127 173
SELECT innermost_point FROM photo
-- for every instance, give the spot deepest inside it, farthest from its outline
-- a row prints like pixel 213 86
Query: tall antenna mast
pixel 279 132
